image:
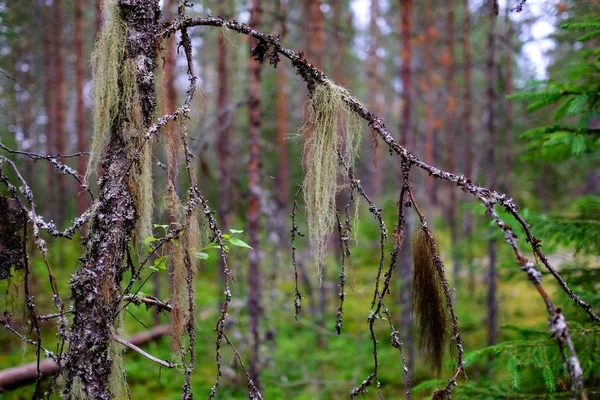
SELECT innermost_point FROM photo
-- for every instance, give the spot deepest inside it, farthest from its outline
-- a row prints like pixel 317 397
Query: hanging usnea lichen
pixel 329 155
pixel 140 176
pixel 107 60
pixel 183 266
pixel 428 303
pixel 117 380
pixel 116 101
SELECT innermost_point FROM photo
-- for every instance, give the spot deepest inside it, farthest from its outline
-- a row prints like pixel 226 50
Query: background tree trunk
pixel 429 86
pixel 49 103
pixel 374 94
pixel 80 106
pixel 406 137
pixel 467 128
pixel 223 138
pixel 451 136
pixel 254 189
pixel 491 138
pixel 508 112
pixel 59 109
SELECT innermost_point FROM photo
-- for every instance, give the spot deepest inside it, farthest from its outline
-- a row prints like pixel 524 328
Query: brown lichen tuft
pixel 183 259
pixel 428 302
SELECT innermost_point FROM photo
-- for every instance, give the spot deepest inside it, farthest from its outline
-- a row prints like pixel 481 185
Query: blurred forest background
pixel 510 100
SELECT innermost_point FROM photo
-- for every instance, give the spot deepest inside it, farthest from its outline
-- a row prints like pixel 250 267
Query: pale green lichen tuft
pixel 140 177
pixel 107 60
pixel 117 381
pixel 330 153
pixel 116 102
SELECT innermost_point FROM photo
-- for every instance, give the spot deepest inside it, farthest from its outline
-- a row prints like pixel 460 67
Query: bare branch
pixel 150 357
pixel 313 76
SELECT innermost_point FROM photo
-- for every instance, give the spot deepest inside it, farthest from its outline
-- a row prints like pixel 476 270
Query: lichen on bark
pixel 96 286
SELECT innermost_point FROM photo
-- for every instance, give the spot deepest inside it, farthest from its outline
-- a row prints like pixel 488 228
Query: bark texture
pixel 406 137
pixel 49 103
pixel 491 170
pixel 96 288
pixel 223 138
pixel 80 107
pixel 467 129
pixel 451 135
pixel 254 307
pixel 59 108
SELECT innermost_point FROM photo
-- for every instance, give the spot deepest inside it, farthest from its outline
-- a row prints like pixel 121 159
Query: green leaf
pixel 201 255
pixel 239 243
pixel 147 242
pixel 225 236
pixel 161 263
pixel 161 226
pixel 234 231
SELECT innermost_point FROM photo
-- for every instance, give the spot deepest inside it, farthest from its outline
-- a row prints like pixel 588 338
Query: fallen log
pixel 12 378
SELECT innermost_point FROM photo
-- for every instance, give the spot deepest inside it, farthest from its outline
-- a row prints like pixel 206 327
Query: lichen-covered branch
pixel 313 76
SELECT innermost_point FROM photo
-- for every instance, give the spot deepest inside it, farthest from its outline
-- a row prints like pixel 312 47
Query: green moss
pixel 335 130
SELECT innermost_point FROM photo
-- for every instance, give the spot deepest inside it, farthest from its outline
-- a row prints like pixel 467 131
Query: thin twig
pixel 150 357
pixel 294 231
pixel 53 159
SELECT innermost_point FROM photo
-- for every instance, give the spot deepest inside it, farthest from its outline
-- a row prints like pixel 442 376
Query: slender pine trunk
pixel 406 137
pixel 491 139
pixel 254 306
pixel 80 106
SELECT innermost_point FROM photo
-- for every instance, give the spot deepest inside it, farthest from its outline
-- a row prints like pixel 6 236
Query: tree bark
pixel 428 86
pixel 60 93
pixel 49 103
pixel 451 137
pixel 508 88
pixel 223 139
pixel 99 4
pixel 254 306
pixel 406 137
pixel 171 148
pixel 491 138
pixel 95 287
pixel 80 107
pixel 467 128
pixel 374 96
